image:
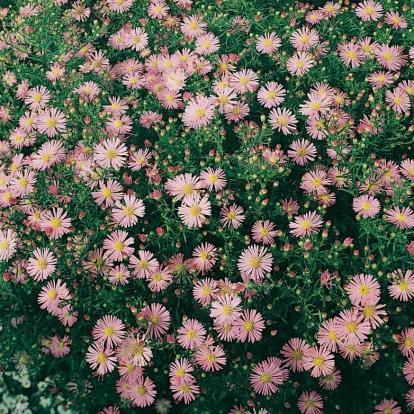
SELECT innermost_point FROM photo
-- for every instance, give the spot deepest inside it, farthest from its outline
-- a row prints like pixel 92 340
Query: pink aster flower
pixel 390 57
pixel 205 291
pixel 273 94
pixel 42 265
pixel 366 206
pixel 52 294
pixel 142 392
pixel 183 186
pixel 331 381
pixel 37 98
pixel 398 100
pixel 372 313
pixel 180 372
pixel 409 398
pixel 232 216
pixel 204 257
pixel 100 359
pixel 109 192
pixel 364 289
pixel 396 20
pixel 210 358
pixel 310 403
pixel 226 309
pixel 110 153
pixel 408 370
pixel 402 218
pixel 213 179
pixel 160 279
pixel 249 326
pixel 402 287
pixel 304 38
pixel 139 159
pixel 194 211
pixel 407 169
pixel 158 9
pixel 119 6
pixel 127 215
pixel 352 327
pixel 330 9
pixel 119 274
pixel 328 335
pixel 191 334
pixel 381 78
pixel 239 111
pixel 186 391
pixel 199 112
pixel 244 81
pixel 268 43
pixel 207 43
pixel 306 225
pixel 88 91
pixel 193 26
pixel 116 246
pixel 299 64
pixel 369 10
pixel 109 330
pixel 264 232
pixel 283 120
pixel 314 182
pixel 387 407
pixel 255 262
pixel 316 105
pixel 158 318
pixel 8 244
pixel 60 346
pixel 405 340
pixel 144 265
pixel 302 151
pixel 55 223
pixel 51 121
pixel 266 376
pixel 350 54
pixel 136 39
pixel 319 360
pixel 119 125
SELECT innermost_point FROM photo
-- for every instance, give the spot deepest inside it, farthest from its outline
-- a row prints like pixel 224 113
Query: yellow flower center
pixel 195 211
pixel 369 11
pixel 332 336
pixel 143 264
pixel 111 154
pixel 401 217
pixel 268 42
pixel 351 54
pixel 51 123
pixel 306 224
pixel 255 262
pixel 128 211
pixel 248 326
pixel 118 123
pixel 118 246
pixel 109 331
pixel 403 285
pixel 42 264
pixel 363 290
pixel 397 100
pixel 351 327
pixel 37 97
pixel 264 232
pixel 193 25
pixel 205 256
pixel 55 223
pixel 282 120
pixel 200 112
pixel 369 311
pixel 191 334
pixel 154 319
pixel 231 215
pixel 408 342
pixel 211 359
pixel 265 378
pixel 206 290
pixel 366 206
pixel 315 106
pixel 206 45
pixel 52 294
pixel 297 355
pixel 310 403
pixel 4 245
pixel 244 80
pixel 227 310
pixel 157 277
pixel 106 192
pixel 102 358
pixel 316 182
pixel 318 361
pixel 141 390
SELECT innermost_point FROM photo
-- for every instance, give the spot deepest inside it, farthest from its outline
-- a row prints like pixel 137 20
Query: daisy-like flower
pixel 119 6
pixel 214 179
pixel 143 266
pixel 363 290
pixel 314 182
pixel 299 64
pixel 381 78
pixel 330 9
pixel 135 349
pixel 139 159
pixel 193 26
pixel 109 192
pixel 136 39
pixel 55 223
pixel 314 16
pixel 350 54
pixel 183 186
pixel 60 346
pixel 52 294
pixel 351 326
pixel 158 9
pixel 409 398
pixel 249 326
pixel 23 183
pixel 210 358
pixel 255 262
pixel 328 335
pixel 180 371
pixel 268 43
pixel 402 287
pixel 42 265
pixel 119 125
pixel 239 111
pixel 79 12
pixel 191 334
pixel 88 91
pixel 194 210
pixel 232 216
pixel 119 274
pixel 226 309
pixel 127 215
pixel 51 121
pixel 186 391
pixel 158 318
pixel 283 120
pixel 408 370
pixel 310 403
pixel 304 38
pixel 116 246
pixel 244 81
pixel 390 57
pixel 316 105
pixel 398 100
pixel 160 279
pixel 396 20
pixel 207 43
pixel 266 376
pixel 110 153
pixel 405 341
pixel 407 169
pixel 37 98
pixel 8 244
pixel 290 207
pixel 273 94
pixel 199 112
pixel 331 381
pixel 306 225
pixel 366 206
pixel 387 407
pixel 109 330
pixel 302 151
pixel 402 218
pixel 319 360
pixel 372 313
pixel 51 152
pixel 204 257
pixel 100 358
pixel 369 10
pixel 264 232
pixel 205 291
